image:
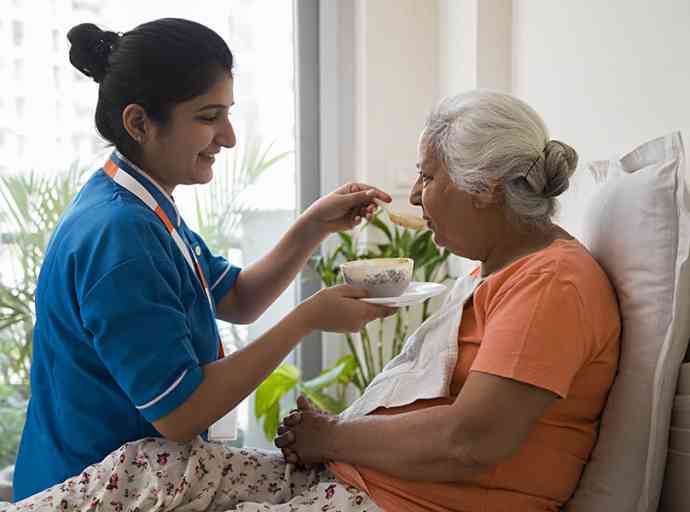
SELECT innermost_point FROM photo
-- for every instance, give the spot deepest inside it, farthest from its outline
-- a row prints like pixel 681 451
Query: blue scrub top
pixel 123 327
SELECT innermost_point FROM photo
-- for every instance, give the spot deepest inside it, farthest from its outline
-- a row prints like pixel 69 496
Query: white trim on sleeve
pixel 221 277
pixel 163 394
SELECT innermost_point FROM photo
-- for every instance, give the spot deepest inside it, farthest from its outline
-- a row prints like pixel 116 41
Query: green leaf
pixel 379 224
pixel 347 239
pixel 420 245
pixel 347 246
pixel 350 369
pixel 342 367
pixel 275 387
pixel 271 421
pixel 323 401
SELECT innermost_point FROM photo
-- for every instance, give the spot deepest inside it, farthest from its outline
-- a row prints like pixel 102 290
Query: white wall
pixel 396 80
pixel 605 76
pixel 457 45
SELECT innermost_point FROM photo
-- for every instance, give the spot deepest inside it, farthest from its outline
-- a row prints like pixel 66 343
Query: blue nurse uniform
pixel 123 328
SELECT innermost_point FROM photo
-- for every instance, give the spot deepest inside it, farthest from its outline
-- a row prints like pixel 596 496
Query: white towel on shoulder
pixel 424 368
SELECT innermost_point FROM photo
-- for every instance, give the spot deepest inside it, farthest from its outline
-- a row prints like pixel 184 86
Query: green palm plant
pixel 32 205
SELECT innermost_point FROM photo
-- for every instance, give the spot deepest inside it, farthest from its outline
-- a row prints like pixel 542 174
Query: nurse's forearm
pixel 230 380
pixel 259 285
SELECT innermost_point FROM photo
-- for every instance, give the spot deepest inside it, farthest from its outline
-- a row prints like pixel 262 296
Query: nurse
pixel 126 344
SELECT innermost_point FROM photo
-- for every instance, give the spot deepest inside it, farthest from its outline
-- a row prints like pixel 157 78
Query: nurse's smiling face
pixel 182 151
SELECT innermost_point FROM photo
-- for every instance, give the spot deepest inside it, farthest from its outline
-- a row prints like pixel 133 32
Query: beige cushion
pixel 638 229
pixel 684 380
pixel 675 494
pixel 680 415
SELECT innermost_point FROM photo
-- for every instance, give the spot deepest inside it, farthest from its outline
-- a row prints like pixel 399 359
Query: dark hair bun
pixel 90 49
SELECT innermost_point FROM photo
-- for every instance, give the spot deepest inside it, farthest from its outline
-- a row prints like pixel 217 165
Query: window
pixel 59 113
pixel 260 34
pixel 78 76
pixel 19 70
pixel 17 32
pixel 19 107
pixel 87 6
pixel 55 36
pixel 21 145
pixel 83 112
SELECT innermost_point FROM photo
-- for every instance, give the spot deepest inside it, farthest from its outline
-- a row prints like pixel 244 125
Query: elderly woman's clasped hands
pixel 306 435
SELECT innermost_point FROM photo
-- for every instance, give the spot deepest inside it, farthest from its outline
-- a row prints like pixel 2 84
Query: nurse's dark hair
pixel 157 65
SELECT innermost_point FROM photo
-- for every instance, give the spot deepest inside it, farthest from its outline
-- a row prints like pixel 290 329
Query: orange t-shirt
pixel 549 319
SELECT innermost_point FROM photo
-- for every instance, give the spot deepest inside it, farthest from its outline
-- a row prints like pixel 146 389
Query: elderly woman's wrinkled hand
pixel 305 433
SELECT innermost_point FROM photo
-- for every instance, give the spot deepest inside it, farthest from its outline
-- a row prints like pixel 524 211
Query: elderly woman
pixel 493 404
pixel 505 415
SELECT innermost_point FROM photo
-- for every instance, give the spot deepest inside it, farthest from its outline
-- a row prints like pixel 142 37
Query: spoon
pixel 402 219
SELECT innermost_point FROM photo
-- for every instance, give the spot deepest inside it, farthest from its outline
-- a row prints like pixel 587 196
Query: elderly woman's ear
pixel 492 197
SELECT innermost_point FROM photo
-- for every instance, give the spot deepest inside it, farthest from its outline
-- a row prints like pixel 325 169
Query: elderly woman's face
pixel 449 211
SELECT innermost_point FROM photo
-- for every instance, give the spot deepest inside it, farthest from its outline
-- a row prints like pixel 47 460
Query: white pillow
pixel 638 228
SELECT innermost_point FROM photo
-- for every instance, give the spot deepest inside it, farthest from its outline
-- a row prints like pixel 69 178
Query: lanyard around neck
pixel 123 178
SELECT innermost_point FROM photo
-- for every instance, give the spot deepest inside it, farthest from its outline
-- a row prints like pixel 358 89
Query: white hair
pixel 487 138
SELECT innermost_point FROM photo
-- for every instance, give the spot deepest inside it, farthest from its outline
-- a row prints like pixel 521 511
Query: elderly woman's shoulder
pixel 572 262
pixel 565 261
pixel 568 261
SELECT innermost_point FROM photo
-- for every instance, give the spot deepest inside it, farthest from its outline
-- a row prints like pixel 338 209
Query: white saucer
pixel 415 293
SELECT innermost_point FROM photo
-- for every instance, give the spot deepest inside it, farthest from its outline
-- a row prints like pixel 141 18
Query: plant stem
pixel 357 381
pixel 397 344
pixel 353 350
pixel 369 358
pixel 380 344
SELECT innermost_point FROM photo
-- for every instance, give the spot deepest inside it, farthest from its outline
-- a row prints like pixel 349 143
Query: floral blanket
pixel 160 475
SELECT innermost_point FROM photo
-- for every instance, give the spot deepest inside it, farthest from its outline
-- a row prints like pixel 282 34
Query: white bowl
pixel 381 277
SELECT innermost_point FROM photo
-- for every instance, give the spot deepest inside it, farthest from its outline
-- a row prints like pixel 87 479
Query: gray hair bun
pixel 90 49
pixel 560 162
